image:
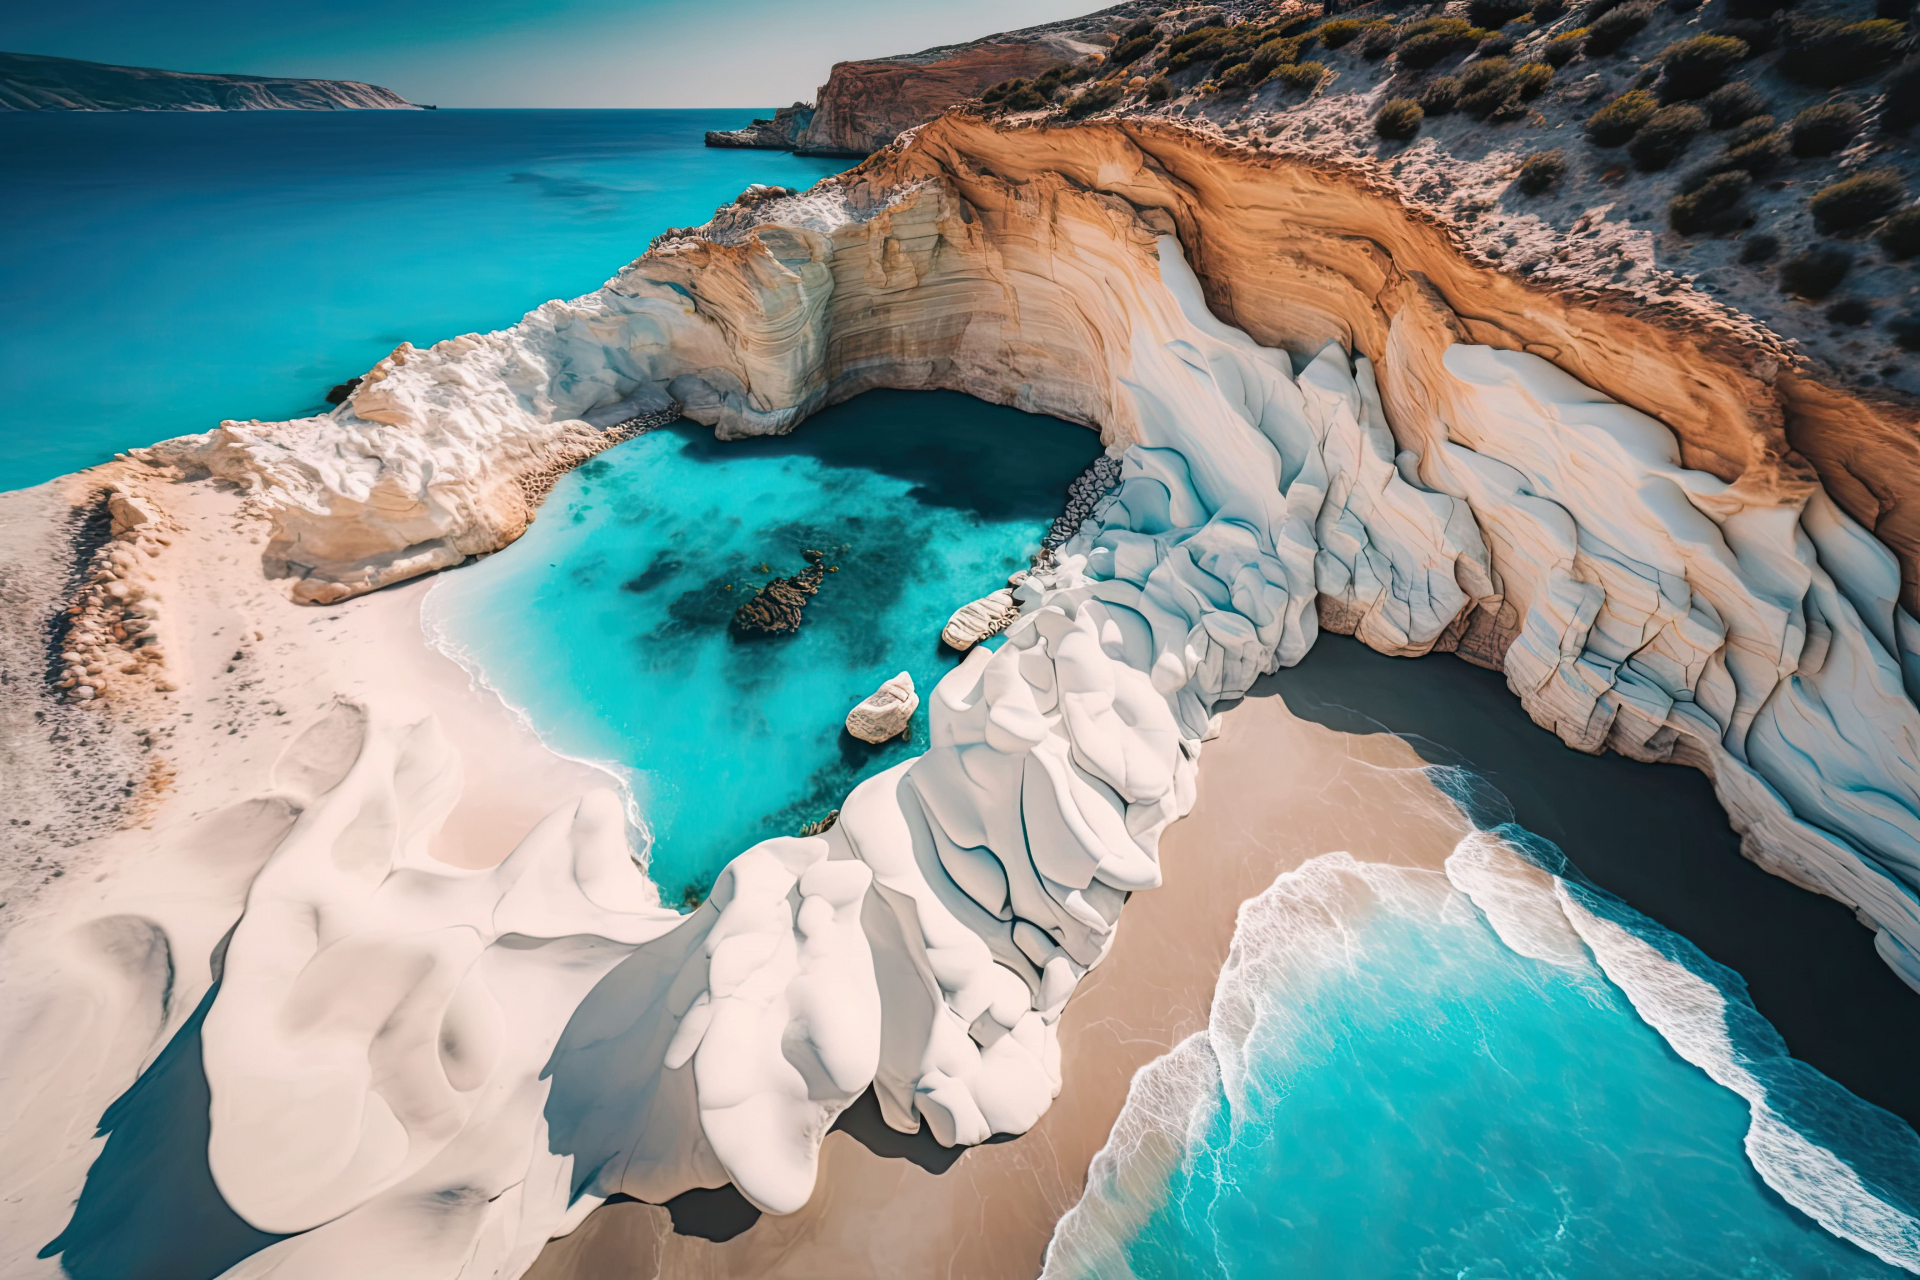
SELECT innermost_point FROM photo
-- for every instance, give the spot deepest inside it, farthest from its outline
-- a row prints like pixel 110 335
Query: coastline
pixel 1274 792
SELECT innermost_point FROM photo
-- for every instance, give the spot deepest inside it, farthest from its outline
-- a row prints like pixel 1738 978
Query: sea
pixel 1414 1093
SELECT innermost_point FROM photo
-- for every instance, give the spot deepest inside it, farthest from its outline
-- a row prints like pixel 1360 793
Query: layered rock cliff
pixel 864 105
pixel 31 82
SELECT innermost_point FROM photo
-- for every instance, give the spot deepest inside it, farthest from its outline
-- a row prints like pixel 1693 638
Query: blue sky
pixel 521 53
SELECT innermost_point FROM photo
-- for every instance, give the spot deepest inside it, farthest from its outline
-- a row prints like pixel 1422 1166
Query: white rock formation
pixel 975 620
pixel 886 712
pixel 927 943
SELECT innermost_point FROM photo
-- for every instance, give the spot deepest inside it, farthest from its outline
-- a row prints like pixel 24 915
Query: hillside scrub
pixel 1541 171
pixel 1440 96
pixel 1422 44
pixel 1824 129
pixel 1900 104
pixel 1399 119
pixel 1620 119
pixel 1733 104
pixel 1693 68
pixel 1564 48
pixel 1610 31
pixel 1665 136
pixel 1899 235
pixel 1711 205
pixel 1815 273
pixel 1826 52
pixel 1855 202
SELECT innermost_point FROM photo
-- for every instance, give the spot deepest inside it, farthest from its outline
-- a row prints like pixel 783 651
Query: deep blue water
pixel 165 270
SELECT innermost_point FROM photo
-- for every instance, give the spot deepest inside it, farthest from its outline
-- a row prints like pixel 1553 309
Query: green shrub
pixel 1441 95
pixel 1024 98
pixel 1549 10
pixel 1495 46
pixel 1665 135
pixel 1494 14
pixel 1843 206
pixel 1900 104
pixel 1195 47
pixel 1377 43
pixel 1564 48
pixel 1529 80
pixel 1424 43
pixel 1759 247
pixel 1824 129
pixel 1691 69
pixel 1142 28
pixel 995 93
pixel 1612 29
pixel 1751 131
pixel 1191 40
pixel 1340 32
pixel 1620 119
pixel 1899 235
pixel 1711 205
pixel 1398 120
pixel 1827 52
pixel 1300 76
pixel 1816 273
pixel 1540 171
pixel 1132 51
pixel 1759 155
pixel 1158 89
pixel 1733 104
pixel 1095 97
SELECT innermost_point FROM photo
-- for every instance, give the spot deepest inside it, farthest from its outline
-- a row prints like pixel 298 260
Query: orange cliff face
pixel 865 105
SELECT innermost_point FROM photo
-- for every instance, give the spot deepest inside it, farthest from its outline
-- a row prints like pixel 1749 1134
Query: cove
pixel 607 624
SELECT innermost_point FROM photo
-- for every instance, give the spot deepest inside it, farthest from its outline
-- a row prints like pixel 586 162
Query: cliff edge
pixel 30 82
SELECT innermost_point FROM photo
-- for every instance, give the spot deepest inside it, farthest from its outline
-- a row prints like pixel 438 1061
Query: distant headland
pixel 30 82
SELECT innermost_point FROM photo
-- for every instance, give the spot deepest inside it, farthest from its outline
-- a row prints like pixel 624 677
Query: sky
pixel 521 53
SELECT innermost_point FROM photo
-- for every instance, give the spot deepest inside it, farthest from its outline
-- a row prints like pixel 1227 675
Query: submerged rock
pixel 988 616
pixel 775 608
pixel 884 714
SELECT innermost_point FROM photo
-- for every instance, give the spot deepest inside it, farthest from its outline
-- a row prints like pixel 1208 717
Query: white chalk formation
pixel 975 620
pixel 886 712
pixel 926 945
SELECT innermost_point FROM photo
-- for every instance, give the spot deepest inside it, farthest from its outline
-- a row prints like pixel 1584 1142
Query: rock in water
pixel 775 608
pixel 886 713
pixel 987 616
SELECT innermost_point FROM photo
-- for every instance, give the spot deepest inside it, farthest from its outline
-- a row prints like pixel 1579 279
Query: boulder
pixel 988 616
pixel 886 713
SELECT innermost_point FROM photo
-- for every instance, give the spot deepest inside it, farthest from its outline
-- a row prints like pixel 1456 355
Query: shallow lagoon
pixel 607 624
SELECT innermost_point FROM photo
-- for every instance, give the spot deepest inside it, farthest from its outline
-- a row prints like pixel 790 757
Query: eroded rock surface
pixel 886 712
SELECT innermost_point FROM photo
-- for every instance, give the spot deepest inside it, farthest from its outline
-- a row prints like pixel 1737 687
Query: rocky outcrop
pixel 883 714
pixel 865 105
pixel 30 82
pixel 776 609
pixel 782 133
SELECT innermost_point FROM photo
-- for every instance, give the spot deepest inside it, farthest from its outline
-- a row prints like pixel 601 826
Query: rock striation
pixel 884 714
pixel 1325 414
pixel 31 82
pixel 988 616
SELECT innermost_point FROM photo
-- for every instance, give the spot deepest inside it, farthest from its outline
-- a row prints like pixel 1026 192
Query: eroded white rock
pixel 886 712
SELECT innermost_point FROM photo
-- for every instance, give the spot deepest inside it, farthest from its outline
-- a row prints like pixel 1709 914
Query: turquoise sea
pixel 165 270
pixel 1415 1098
